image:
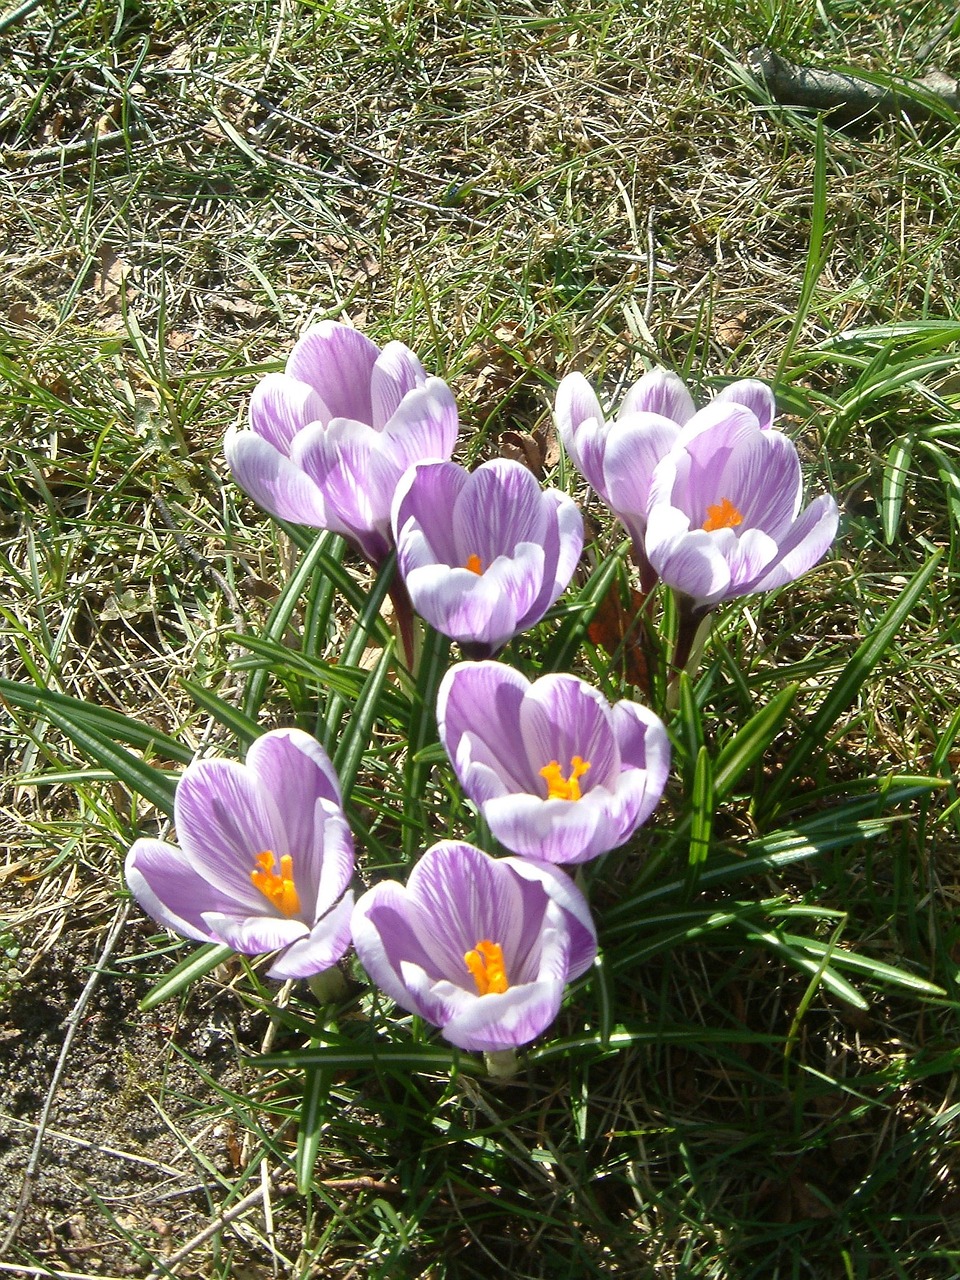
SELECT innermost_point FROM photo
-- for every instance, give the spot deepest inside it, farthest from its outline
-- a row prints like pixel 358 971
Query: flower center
pixel 485 962
pixel 277 889
pixel 474 564
pixel 722 515
pixel 559 787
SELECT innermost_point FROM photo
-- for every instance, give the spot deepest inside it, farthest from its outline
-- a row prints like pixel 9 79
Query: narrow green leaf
pixel 749 744
pixel 223 712
pixel 356 737
pixel 816 257
pixel 316 1086
pixel 153 784
pixel 422 733
pixel 417 1057
pixel 876 970
pixel 848 684
pixel 702 810
pixel 198 963
pixel 833 981
pixel 113 725
pixel 566 644
pixel 321 556
pixel 895 475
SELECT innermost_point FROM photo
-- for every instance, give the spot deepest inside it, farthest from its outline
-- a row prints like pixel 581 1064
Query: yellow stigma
pixel 474 564
pixel 485 962
pixel 278 889
pixel 722 515
pixel 559 787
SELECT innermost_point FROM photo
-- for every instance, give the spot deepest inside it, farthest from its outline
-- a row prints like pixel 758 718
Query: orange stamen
pixel 486 965
pixel 277 889
pixel 559 787
pixel 722 515
pixel 474 564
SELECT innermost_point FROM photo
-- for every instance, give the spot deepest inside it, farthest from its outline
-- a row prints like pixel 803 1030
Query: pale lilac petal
pixel 171 890
pixel 562 717
pixel 357 477
pixel 500 506
pixel 425 426
pixel 635 446
pixel 467 896
pixel 506 1021
pixel 470 608
pixel 280 406
pixel 762 478
pixel 326 943
pixel 660 392
pixel 254 935
pixel 550 830
pixel 645 746
pixel 691 563
pixel 273 481
pixel 807 542
pixel 383 936
pixel 562 891
pixel 562 547
pixel 423 491
pixel 338 363
pixel 223 820
pixel 755 395
pixel 396 371
pixel 581 427
pixel 478 714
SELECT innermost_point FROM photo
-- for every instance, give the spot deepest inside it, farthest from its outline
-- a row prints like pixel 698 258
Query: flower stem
pixel 501 1064
pixel 406 622
pixel 328 986
pixel 692 630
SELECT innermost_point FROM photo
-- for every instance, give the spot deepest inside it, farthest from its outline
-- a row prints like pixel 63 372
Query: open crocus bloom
pixel 480 947
pixel 484 554
pixel 265 857
pixel 330 437
pixel 651 415
pixel 723 515
pixel 557 772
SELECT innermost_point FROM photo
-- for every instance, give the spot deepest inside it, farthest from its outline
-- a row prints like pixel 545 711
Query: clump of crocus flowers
pixel 358 440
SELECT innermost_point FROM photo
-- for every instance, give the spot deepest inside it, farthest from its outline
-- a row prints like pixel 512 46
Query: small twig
pixel 222 1220
pixel 941 33
pixel 823 90
pixel 72 1024
pixel 202 563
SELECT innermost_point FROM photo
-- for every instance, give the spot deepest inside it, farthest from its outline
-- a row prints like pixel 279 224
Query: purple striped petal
pixel 272 480
pixel 396 372
pixel 338 362
pixel 280 406
pixel 660 392
pixel 755 396
pixel 168 887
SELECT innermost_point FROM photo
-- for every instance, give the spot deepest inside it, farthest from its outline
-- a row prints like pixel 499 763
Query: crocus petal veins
pixel 277 889
pixel 474 564
pixel 487 966
pixel 722 515
pixel 559 787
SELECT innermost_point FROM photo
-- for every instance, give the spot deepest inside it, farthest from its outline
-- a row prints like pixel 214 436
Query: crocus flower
pixel 480 947
pixel 723 514
pixel 557 772
pixel 484 554
pixel 330 437
pixel 265 857
pixel 656 406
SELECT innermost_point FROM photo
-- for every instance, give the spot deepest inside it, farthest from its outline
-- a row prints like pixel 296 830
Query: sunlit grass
pixel 756 1081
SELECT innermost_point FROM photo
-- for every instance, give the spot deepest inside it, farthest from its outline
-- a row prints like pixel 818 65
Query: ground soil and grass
pixel 761 1080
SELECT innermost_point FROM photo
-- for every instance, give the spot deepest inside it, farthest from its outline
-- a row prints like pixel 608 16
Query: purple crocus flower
pixel 480 947
pixel 723 514
pixel 330 437
pixel 651 417
pixel 557 772
pixel 655 407
pixel 265 857
pixel 484 554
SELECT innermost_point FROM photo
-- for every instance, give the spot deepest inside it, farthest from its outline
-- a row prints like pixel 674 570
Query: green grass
pixel 757 1081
